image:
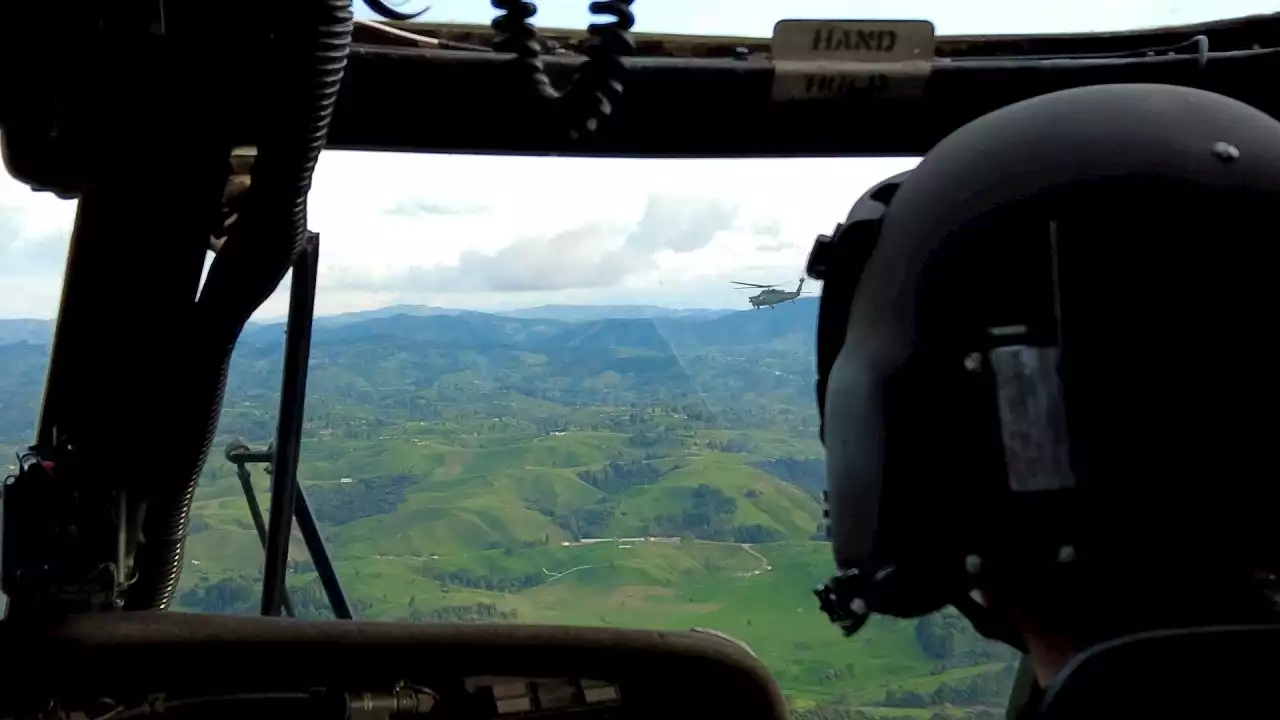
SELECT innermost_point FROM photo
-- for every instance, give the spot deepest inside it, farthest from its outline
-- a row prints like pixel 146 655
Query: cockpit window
pixel 548 401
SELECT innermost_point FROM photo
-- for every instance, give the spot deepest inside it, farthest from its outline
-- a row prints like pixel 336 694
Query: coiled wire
pixel 390 13
pixel 598 86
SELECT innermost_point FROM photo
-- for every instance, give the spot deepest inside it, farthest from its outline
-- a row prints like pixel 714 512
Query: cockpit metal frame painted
pixel 154 191
pixel 693 96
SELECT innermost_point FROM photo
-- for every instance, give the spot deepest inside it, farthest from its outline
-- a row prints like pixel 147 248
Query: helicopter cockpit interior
pixel 183 131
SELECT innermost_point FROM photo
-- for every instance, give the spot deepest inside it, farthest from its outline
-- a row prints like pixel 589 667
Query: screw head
pixel 973 564
pixel 1225 151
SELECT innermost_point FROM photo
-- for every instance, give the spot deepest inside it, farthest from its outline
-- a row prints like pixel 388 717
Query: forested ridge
pixel 654 472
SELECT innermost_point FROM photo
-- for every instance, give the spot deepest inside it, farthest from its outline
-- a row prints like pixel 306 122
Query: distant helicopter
pixel 770 295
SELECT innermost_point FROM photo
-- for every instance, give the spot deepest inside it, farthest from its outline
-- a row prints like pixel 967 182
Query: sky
pixel 470 232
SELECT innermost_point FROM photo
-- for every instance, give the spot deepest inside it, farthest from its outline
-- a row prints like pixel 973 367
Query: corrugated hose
pixel 258 252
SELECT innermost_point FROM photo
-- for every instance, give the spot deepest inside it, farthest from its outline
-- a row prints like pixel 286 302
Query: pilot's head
pixel 1046 377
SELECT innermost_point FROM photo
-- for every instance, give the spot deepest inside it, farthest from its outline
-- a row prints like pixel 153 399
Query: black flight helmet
pixel 1047 346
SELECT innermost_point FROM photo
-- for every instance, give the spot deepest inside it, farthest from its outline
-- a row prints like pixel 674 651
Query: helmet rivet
pixel 1225 151
pixel 1066 553
pixel 973 564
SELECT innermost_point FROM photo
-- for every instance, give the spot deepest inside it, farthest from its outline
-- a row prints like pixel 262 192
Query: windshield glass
pixel 537 396
pixel 756 19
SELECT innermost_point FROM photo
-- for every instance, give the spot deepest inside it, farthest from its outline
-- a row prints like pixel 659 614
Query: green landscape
pixel 549 466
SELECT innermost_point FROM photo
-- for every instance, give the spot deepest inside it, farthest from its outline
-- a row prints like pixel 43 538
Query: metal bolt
pixel 973 362
pixel 1225 151
pixel 973 564
pixel 1066 554
pixel 858 606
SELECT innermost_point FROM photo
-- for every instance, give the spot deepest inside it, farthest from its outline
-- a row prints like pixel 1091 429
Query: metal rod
pixel 259 524
pixel 304 285
pixel 320 556
pixel 293 395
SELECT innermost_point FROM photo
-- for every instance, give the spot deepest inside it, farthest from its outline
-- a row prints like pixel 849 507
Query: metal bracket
pixel 54 558
pixel 288 500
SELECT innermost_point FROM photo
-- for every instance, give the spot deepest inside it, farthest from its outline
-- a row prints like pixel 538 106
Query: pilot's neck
pixel 1048 657
pixel 1047 652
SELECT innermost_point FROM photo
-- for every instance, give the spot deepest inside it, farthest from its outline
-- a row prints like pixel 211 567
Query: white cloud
pixel 34 233
pixel 490 232
pixel 437 229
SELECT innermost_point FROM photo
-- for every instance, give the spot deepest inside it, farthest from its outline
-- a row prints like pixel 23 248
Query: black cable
pixel 1199 44
pixel 596 90
pixel 162 706
pixel 391 13
pixel 261 246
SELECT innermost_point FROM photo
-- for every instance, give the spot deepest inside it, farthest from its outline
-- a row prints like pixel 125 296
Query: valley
pixel 659 471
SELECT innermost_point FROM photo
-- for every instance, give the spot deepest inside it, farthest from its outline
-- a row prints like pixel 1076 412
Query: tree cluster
pixel 342 503
pixel 477 613
pixel 979 691
pixel 949 638
pixel 242 595
pixel 480 581
pixel 620 476
pixel 808 474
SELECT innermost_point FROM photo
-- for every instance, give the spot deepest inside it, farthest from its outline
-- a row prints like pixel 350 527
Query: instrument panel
pixel 189 665
pixel 476 698
pixel 519 696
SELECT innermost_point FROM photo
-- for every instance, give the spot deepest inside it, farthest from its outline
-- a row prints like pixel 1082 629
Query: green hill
pixel 656 472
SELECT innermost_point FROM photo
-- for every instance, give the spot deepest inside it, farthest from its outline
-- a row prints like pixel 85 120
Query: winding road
pixel 552 576
pixel 764 561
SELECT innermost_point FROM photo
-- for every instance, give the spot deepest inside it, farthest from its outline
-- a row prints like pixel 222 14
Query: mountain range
pixel 34 330
pixel 590 325
pixel 540 312
pixel 621 465
pixel 423 333
pixel 18 330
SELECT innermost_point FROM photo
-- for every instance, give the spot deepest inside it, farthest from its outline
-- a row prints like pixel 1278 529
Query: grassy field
pixel 456 464
pixel 474 527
